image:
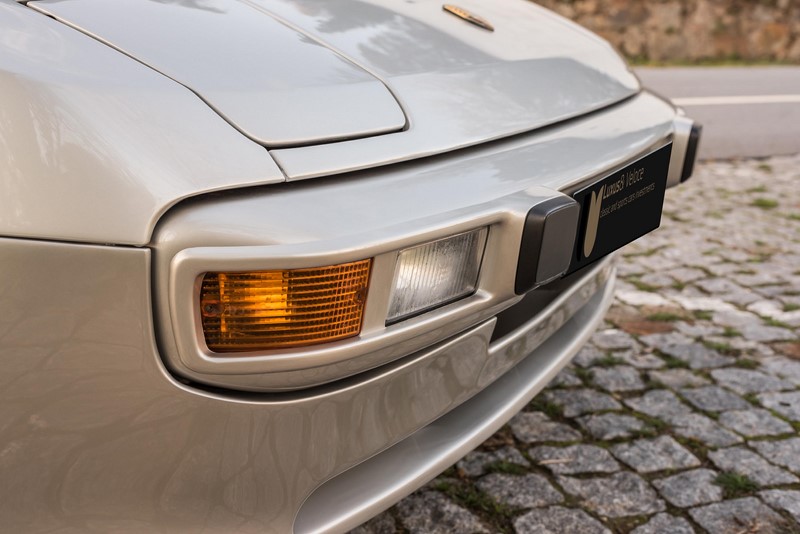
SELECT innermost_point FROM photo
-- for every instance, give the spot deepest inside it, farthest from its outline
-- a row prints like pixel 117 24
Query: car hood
pixel 298 73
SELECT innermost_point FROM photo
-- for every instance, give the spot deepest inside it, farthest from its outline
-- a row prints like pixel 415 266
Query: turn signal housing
pixel 267 310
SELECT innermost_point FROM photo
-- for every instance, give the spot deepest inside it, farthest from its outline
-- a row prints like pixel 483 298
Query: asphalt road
pixel 745 111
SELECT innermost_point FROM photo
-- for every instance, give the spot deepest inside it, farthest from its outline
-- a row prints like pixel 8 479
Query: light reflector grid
pixel 266 310
pixel 436 273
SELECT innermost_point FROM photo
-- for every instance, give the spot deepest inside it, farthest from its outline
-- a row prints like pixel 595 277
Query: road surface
pixel 745 111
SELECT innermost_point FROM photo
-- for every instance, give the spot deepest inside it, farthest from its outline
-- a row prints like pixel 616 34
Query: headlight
pixel 433 274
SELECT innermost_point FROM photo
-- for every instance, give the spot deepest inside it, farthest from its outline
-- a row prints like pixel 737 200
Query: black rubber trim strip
pixel 691 152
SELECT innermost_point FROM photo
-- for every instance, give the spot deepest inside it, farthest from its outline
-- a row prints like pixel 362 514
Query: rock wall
pixel 691 30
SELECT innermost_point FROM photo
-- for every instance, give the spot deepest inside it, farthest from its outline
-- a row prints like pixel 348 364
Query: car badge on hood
pixel 469 17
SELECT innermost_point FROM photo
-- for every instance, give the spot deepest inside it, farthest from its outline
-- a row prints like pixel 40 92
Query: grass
pixel 664 317
pixel 674 363
pixel 608 361
pixel 550 409
pixel 790 307
pixel 722 348
pixel 794 216
pixel 735 485
pixel 703 315
pixel 731 332
pixel 584 374
pixel 769 321
pixel 474 499
pixel 764 203
pixel 508 468
pixel 642 286
pixel 761 188
pixel 746 363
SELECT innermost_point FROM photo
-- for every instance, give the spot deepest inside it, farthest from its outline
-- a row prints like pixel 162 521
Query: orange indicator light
pixel 267 310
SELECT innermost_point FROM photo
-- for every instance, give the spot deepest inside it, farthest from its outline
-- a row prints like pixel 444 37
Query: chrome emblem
pixel 469 17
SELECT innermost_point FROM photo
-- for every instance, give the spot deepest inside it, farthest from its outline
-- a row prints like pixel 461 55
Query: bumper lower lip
pixel 544 345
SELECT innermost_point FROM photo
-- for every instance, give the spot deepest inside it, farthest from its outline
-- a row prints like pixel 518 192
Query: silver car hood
pixel 298 73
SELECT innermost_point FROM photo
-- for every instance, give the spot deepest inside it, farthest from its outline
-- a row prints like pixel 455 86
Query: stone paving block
pixel 431 512
pixel 566 378
pixel 640 360
pixel 536 427
pixel 687 274
pixel 782 367
pixel 714 399
pixel 657 341
pixel 529 491
pixel 658 454
pixel 617 378
pixel 739 515
pixel 702 303
pixel 380 524
pixel 736 318
pixel 704 429
pixel 576 402
pixel 611 425
pixel 613 339
pixel 718 285
pixel 557 520
pixel 587 356
pixel 744 381
pixel 476 463
pixel 755 422
pixel 697 355
pixel 698 329
pixel 664 523
pixel 745 462
pixel 574 459
pixel 784 452
pixel 786 404
pixel 677 378
pixel 658 403
pixel 787 500
pixel 620 495
pixel 642 298
pixel 690 488
pixel 766 333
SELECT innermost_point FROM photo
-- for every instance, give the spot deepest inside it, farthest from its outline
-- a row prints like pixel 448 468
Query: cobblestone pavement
pixel 683 413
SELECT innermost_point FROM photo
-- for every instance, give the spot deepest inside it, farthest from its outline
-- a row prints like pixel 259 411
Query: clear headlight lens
pixel 433 274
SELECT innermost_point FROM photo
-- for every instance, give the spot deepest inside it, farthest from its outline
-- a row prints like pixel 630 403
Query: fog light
pixel 266 310
pixel 436 273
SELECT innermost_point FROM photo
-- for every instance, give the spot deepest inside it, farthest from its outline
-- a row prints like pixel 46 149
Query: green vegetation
pixel 509 468
pixel 673 362
pixel 764 203
pixel 550 409
pixel 722 348
pixel 761 188
pixel 731 332
pixel 790 307
pixel 703 315
pixel 735 485
pixel 664 317
pixel 746 363
pixel 766 167
pixel 609 361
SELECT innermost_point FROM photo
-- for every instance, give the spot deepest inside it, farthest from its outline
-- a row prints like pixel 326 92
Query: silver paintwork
pixel 96 433
pixel 96 147
pixel 358 494
pixel 274 84
pixel 97 436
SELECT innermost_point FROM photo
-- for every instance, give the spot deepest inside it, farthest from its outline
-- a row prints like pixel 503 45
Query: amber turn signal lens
pixel 266 310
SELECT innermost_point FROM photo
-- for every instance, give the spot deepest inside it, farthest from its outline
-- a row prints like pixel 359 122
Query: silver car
pixel 271 265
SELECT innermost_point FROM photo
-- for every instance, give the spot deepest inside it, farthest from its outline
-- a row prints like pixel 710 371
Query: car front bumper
pixel 98 434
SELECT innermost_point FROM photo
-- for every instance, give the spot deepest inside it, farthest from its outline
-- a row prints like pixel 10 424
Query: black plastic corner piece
pixel 691 152
pixel 548 241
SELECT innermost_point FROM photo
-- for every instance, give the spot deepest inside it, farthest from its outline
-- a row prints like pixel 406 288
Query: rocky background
pixel 692 30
